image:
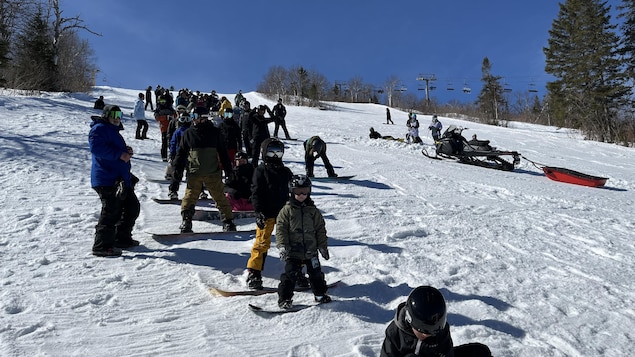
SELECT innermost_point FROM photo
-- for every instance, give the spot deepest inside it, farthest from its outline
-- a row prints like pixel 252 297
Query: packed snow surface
pixel 529 266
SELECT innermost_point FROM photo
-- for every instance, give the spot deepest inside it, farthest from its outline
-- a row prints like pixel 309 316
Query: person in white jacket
pixel 140 115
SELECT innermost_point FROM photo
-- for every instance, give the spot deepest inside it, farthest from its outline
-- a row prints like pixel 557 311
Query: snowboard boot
pixel 285 304
pixel 173 195
pixel 108 252
pixel 254 280
pixel 186 225
pixel 322 299
pixel 229 226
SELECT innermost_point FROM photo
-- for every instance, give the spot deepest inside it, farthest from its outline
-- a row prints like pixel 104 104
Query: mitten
pixel 260 220
pixel 284 255
pixel 324 252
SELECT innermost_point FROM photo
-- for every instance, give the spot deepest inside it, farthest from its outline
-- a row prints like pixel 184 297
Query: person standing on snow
pixel 420 328
pixel 149 99
pixel 388 119
pixel 269 193
pixel 201 148
pixel 279 115
pixel 300 235
pixel 413 129
pixel 140 115
pixel 436 128
pixel 111 178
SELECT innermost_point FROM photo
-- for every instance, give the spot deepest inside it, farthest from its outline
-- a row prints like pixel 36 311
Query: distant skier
pixel 388 119
pixel 413 129
pixel 435 127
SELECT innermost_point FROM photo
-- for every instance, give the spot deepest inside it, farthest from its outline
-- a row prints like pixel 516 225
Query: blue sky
pixel 230 45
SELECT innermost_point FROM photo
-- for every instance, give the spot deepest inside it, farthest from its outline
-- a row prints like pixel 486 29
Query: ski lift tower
pixel 427 78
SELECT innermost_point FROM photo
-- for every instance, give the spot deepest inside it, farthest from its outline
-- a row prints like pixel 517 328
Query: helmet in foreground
pixel 426 311
pixel 272 148
pixel 299 181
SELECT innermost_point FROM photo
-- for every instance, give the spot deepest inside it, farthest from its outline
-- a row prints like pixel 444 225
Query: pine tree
pixel 34 64
pixel 583 57
pixel 491 101
pixel 628 39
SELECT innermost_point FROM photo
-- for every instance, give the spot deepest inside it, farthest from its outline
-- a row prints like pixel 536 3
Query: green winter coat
pixel 300 229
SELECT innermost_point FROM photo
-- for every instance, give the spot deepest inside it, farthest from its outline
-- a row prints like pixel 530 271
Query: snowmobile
pixel 452 145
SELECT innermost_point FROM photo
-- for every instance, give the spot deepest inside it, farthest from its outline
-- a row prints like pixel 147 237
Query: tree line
pixel 591 59
pixel 40 49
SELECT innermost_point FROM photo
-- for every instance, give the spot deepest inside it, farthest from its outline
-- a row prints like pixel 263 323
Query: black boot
pixel 229 226
pixel 186 225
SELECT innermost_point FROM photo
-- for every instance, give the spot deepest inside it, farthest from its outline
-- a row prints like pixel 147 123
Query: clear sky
pixel 230 45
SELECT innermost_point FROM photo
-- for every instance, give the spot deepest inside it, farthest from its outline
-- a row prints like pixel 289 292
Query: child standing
pixel 300 235
pixel 269 193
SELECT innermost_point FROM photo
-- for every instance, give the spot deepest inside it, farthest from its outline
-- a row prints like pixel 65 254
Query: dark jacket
pixel 99 104
pixel 106 147
pixel 270 187
pixel 260 127
pixel 201 147
pixel 300 229
pixel 279 111
pixel 238 185
pixel 232 133
pixel 401 341
pixel 175 140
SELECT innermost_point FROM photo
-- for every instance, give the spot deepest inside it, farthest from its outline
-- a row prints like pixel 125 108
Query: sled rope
pixel 536 164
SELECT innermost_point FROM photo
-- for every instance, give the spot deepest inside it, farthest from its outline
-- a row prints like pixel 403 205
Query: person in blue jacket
pixel 114 183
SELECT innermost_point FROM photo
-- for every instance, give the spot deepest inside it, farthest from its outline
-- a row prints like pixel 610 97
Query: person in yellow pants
pixel 269 193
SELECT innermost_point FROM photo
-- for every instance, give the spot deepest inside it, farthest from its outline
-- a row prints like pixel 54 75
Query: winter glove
pixel 430 127
pixel 260 220
pixel 284 255
pixel 324 252
pixel 120 190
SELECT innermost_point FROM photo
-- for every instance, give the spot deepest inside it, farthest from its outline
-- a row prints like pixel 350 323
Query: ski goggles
pixel 228 115
pixel 116 114
pixel 301 191
pixel 275 152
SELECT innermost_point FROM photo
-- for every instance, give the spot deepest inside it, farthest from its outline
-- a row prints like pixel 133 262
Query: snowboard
pixel 164 181
pixel 168 201
pixel 338 178
pixel 214 215
pixel 266 290
pixel 277 311
pixel 200 235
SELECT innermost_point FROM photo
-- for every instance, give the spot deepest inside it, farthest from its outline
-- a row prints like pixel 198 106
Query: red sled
pixel 574 177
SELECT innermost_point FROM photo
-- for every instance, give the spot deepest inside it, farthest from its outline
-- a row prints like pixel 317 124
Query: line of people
pixel 282 200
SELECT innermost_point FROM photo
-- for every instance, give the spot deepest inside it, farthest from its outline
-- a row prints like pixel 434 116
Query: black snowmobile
pixel 452 145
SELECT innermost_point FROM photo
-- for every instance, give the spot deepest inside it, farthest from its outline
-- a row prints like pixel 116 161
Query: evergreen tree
pixel 628 39
pixel 34 66
pixel 582 56
pixel 491 101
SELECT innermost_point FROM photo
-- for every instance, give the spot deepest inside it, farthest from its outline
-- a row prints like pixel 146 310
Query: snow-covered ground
pixel 529 266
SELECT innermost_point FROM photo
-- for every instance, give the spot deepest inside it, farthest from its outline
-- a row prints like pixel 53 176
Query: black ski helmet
pixel 426 311
pixel 298 181
pixel 272 148
pixel 241 155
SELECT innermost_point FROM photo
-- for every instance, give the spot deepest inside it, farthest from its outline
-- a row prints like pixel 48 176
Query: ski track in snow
pixel 529 266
